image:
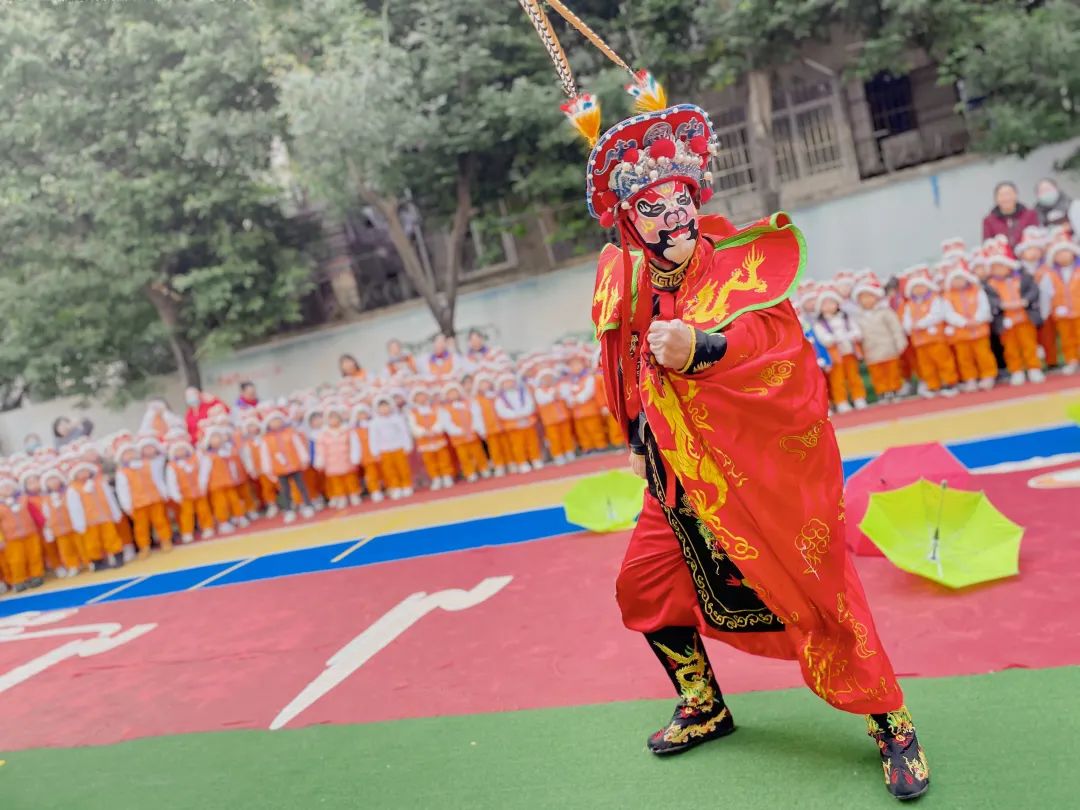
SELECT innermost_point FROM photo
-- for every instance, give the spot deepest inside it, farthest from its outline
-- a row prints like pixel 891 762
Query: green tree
pixel 438 103
pixel 1018 60
pixel 143 206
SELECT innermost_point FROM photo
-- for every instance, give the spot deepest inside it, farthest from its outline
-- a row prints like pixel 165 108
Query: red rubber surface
pixel 233 657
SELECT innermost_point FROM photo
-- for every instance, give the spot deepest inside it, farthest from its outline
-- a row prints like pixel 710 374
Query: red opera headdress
pixel 660 143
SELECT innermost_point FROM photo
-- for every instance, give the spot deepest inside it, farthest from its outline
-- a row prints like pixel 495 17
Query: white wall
pixel 891 224
pixel 899 223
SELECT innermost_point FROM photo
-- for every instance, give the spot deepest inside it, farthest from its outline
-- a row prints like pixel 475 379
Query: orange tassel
pixel 648 93
pixel 583 110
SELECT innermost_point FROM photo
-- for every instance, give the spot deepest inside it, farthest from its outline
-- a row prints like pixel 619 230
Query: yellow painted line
pixel 957 424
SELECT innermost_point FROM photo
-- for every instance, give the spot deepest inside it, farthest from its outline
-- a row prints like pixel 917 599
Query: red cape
pixel 751 443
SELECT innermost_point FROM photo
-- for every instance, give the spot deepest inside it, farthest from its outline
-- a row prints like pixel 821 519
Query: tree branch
pixel 459 228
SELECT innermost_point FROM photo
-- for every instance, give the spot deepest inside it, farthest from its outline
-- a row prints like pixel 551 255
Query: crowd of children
pixel 93 505
pixel 468 416
pixel 950 326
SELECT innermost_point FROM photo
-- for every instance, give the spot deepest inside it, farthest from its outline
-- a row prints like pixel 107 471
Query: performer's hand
pixel 637 465
pixel 671 342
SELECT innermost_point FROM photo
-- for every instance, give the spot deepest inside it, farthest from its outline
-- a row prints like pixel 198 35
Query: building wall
pixel 892 222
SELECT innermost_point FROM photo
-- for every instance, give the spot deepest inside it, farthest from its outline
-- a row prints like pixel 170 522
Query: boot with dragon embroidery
pixel 700 715
pixel 907 776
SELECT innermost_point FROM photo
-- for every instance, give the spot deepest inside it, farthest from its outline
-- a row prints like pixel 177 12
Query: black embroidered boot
pixel 907 776
pixel 700 715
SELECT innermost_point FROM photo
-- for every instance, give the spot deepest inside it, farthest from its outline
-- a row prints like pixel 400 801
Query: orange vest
pixel 224 471
pixel 554 412
pixel 55 511
pixel 1065 295
pixel 918 311
pixel 284 458
pixel 426 422
pixel 404 363
pixel 460 414
pixel 493 425
pixel 187 478
pixel 160 424
pixel 966 303
pixel 144 491
pixel 1008 290
pixel 590 408
pixel 15 520
pixel 95 504
pixel 441 367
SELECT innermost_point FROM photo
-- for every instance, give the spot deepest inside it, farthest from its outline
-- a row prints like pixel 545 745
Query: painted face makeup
pixel 666 221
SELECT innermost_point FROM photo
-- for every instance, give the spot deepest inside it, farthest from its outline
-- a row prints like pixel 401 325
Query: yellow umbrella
pixel 608 502
pixel 950 536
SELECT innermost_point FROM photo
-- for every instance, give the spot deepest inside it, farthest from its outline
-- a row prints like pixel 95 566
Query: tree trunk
pixel 762 147
pixel 441 302
pixel 167 304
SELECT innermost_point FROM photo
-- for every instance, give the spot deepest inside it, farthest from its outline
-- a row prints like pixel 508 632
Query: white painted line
pixel 358 544
pixel 103 596
pixel 220 574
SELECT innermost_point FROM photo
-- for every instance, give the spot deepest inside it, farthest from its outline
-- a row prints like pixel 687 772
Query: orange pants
pixel 396 470
pixel 524 445
pixel 1048 337
pixel 373 478
pixel 885 376
pixel 1020 344
pixel 498 445
pixel 591 432
pixel 1068 329
pixel 438 462
pixel 471 458
pixel 225 501
pixel 845 380
pixel 51 554
pixel 24 559
pixel 936 365
pixel 189 510
pixel 97 541
pixel 70 551
pixel 907 363
pixel 154 515
pixel 560 438
pixel 267 490
pixel 975 360
pixel 5 569
pixel 247 496
pixel 342 486
pixel 614 431
pixel 127 534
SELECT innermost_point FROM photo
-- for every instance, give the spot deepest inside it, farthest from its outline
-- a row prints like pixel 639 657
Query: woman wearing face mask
pixel 1009 216
pixel 199 404
pixel 1056 208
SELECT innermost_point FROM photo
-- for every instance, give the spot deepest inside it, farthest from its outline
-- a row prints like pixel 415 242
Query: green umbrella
pixel 947 535
pixel 608 502
pixel 1073 411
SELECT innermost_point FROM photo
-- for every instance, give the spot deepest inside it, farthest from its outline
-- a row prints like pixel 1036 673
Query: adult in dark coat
pixel 1008 216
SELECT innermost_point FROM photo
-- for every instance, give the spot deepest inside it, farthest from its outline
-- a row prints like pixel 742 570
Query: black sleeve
pixel 633 430
pixel 709 348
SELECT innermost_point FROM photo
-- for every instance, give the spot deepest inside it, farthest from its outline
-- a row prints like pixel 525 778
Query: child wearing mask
pixel 1063 273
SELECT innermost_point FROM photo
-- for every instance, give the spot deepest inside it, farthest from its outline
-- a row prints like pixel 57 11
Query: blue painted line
pixel 168 582
pixel 57 600
pixel 282 564
pixel 494 531
pixel 499 530
pixel 977 453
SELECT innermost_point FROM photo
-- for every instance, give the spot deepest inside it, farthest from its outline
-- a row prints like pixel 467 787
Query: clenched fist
pixel 671 343
pixel 637 465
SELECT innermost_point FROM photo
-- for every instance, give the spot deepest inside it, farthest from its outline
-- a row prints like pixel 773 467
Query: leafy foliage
pixel 143 207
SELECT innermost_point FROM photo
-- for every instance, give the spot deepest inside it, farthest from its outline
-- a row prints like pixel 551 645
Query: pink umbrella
pixel 897 467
